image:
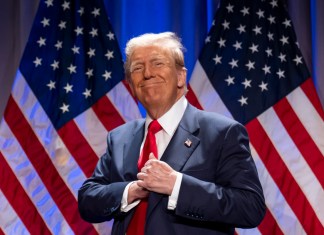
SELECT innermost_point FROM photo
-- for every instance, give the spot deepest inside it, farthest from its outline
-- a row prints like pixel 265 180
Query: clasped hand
pixel 155 176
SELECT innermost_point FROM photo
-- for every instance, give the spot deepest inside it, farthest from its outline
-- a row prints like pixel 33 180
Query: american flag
pixel 68 92
pixel 251 69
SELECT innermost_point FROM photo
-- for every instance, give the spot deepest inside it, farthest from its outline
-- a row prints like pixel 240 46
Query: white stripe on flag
pixel 252 231
pixel 92 130
pixel 104 228
pixel 124 102
pixel 294 160
pixel 308 115
pixel 9 220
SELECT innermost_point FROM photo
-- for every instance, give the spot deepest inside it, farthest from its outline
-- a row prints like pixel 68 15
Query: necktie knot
pixel 149 144
pixel 154 127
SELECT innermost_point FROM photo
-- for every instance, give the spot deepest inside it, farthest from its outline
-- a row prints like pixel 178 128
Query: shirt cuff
pixel 125 207
pixel 173 198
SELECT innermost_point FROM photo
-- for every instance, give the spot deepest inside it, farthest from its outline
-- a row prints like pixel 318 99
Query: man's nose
pixel 148 72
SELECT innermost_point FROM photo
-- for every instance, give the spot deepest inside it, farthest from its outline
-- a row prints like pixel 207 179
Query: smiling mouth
pixel 148 84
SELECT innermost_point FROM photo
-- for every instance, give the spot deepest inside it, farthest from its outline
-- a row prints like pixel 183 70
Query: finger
pixel 151 159
pixel 141 176
pixel 143 170
pixel 148 162
pixel 151 156
pixel 140 184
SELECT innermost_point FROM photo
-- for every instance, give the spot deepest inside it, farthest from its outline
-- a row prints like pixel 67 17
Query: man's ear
pixel 182 77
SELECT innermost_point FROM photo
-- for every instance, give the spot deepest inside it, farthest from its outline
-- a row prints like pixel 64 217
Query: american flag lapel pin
pixel 188 143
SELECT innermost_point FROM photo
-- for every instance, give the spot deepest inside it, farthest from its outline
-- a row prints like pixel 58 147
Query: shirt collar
pixel 171 119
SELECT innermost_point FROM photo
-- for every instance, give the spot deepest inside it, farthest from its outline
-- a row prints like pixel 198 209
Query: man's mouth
pixel 148 84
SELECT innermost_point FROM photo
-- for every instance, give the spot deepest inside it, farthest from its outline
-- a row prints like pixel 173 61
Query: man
pixel 201 179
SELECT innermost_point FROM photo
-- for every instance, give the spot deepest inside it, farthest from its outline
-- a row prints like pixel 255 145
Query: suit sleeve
pixel 99 198
pixel 234 194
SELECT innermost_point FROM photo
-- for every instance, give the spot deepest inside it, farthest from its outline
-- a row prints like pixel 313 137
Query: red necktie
pixel 137 224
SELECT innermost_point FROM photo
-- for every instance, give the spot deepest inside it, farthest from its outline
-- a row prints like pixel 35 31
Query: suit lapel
pixel 180 148
pixel 131 151
pixel 178 152
pixel 184 141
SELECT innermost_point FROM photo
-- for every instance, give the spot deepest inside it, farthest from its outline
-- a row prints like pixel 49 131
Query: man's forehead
pixel 149 52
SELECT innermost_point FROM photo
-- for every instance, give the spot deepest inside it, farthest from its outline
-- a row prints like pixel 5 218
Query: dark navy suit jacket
pixel 220 189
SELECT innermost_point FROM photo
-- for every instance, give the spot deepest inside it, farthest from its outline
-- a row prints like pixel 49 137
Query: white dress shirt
pixel 169 122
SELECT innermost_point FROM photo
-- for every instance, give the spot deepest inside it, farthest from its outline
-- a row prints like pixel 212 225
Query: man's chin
pixel 152 101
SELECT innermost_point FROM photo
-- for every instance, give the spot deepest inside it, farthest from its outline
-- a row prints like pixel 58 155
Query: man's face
pixel 154 78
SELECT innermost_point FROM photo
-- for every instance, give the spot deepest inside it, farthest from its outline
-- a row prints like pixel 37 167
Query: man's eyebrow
pixel 157 58
pixel 139 61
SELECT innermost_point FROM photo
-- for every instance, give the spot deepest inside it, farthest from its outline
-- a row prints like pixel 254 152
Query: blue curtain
pixel 317 42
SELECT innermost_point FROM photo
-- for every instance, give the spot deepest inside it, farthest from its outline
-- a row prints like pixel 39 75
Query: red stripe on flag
pixel 79 147
pixel 269 225
pixel 45 169
pixel 301 138
pixel 192 99
pixel 309 89
pixel 107 113
pixel 1 232
pixel 283 178
pixel 20 201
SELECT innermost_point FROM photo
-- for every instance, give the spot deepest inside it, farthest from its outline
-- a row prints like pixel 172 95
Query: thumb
pixel 151 156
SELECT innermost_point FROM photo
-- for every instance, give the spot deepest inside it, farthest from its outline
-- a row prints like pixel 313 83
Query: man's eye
pixel 137 68
pixel 158 63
